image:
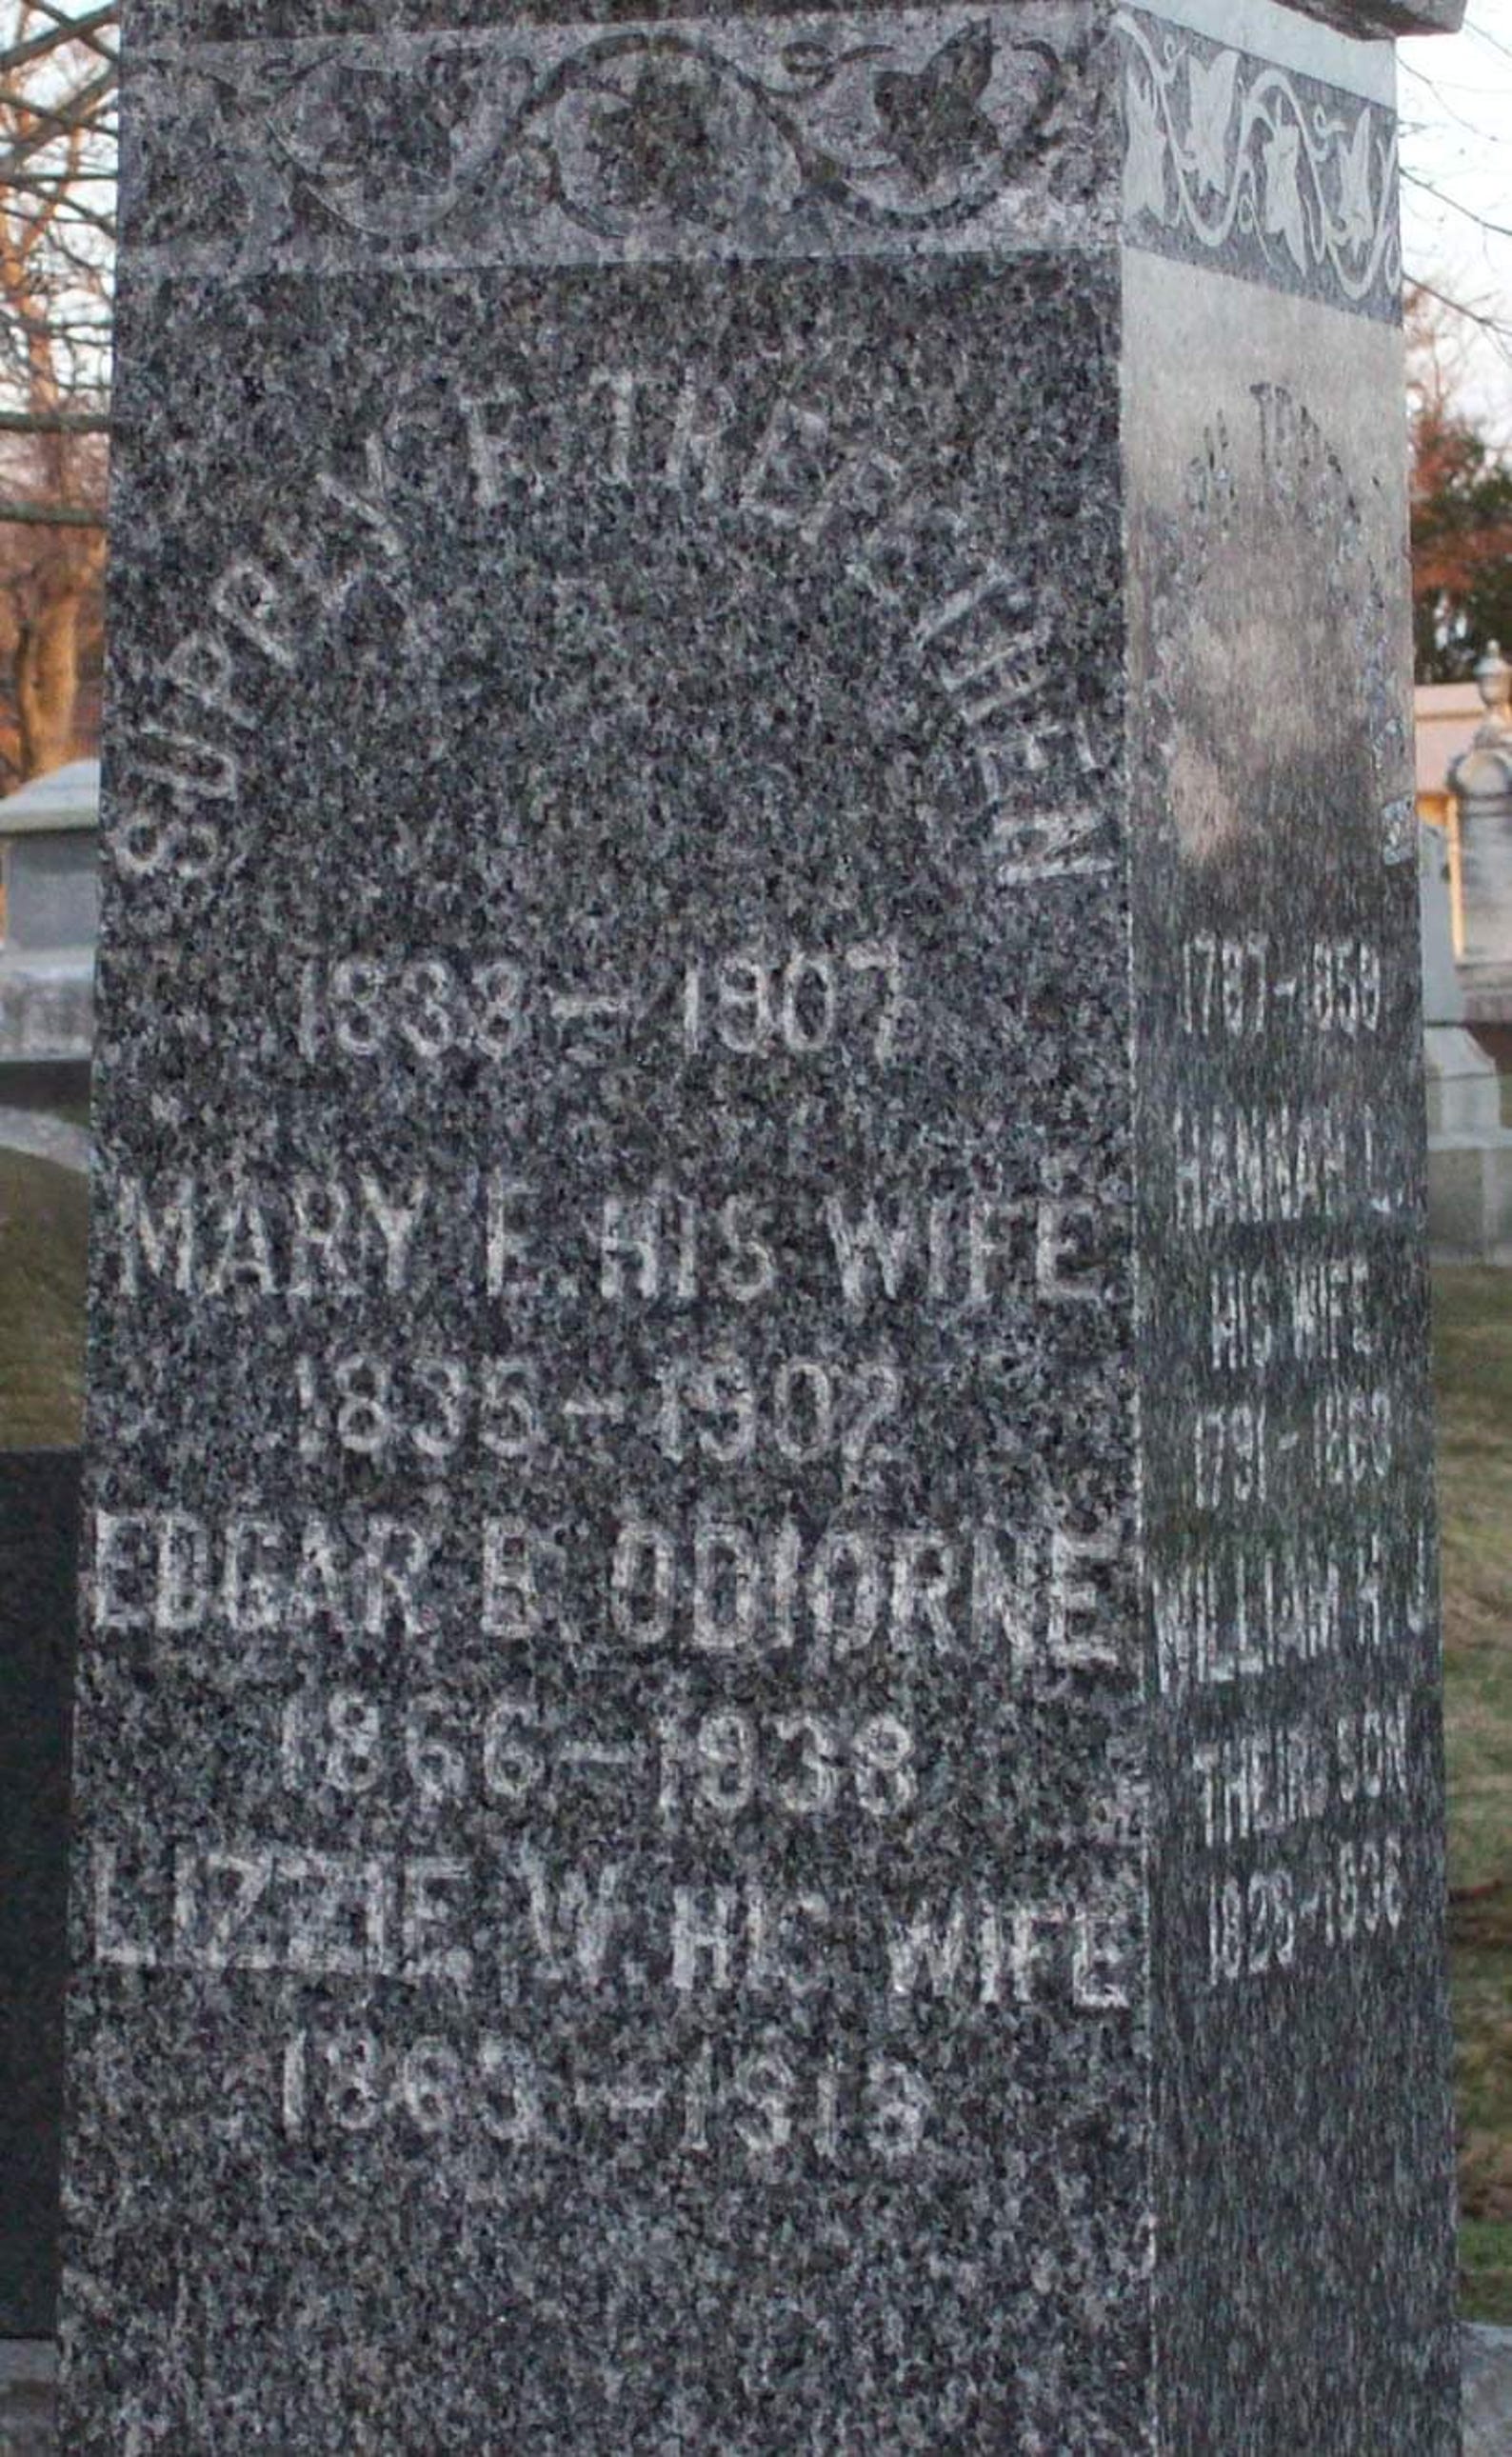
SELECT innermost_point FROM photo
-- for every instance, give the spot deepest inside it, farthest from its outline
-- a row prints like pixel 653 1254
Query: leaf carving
pixel 656 147
pixel 389 152
pixel 1284 215
pixel 932 117
pixel 1211 85
pixel 1144 169
pixel 1357 204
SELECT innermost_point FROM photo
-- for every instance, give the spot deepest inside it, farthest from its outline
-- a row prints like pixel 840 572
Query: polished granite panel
pixel 642 1885
pixel 1292 1607
pixel 614 1491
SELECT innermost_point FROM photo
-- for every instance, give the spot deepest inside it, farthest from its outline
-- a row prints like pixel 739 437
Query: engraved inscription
pixel 984 650
pixel 1291 1590
pixel 641 1216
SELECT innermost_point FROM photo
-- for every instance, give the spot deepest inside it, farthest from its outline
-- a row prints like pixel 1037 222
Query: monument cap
pixel 1373 18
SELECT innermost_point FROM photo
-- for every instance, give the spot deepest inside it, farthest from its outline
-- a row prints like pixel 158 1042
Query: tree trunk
pixel 46 683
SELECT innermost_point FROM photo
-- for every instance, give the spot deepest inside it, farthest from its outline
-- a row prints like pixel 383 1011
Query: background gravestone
pixel 761 1698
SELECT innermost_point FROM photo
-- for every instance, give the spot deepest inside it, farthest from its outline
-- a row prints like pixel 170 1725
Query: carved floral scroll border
pixel 929 128
pixel 1268 174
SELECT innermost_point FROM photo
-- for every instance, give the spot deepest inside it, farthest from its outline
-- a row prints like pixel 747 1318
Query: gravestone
pixel 758 1758
pixel 48 905
pixel 39 1502
pixel 1480 781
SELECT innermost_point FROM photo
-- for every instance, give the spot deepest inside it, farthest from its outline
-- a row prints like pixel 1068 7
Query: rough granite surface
pixel 758 1763
pixel 241 20
pixel 28 2396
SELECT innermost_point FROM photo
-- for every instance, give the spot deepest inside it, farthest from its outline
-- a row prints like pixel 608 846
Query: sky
pixel 1456 99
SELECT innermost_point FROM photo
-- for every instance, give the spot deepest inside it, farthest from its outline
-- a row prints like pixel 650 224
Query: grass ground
pixel 44 1218
pixel 1473 1343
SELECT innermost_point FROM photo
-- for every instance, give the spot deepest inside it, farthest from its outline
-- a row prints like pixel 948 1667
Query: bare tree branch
pixel 59 112
pixel 68 117
pixel 52 516
pixel 1492 41
pixel 62 421
pixel 1483 221
pixel 25 147
pixel 63 31
pixel 1497 328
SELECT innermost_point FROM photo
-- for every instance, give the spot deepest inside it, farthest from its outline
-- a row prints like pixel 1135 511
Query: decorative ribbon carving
pixel 1279 178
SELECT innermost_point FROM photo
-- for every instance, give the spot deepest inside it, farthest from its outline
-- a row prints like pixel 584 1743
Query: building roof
pixel 66 798
pixel 1449 715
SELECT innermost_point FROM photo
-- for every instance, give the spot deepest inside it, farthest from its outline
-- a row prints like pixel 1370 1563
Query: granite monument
pixel 758 1758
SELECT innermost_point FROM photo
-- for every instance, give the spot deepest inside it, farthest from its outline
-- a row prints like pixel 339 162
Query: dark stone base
pixel 1487 2391
pixel 27 2398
